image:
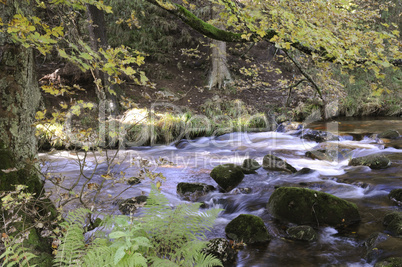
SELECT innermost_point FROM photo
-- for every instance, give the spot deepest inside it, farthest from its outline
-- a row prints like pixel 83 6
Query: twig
pixel 306 75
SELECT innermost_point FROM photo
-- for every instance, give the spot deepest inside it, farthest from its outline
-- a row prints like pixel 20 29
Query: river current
pixel 195 159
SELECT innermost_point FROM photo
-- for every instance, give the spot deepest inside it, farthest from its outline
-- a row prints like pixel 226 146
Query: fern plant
pixel 72 246
pixel 15 254
pixel 163 236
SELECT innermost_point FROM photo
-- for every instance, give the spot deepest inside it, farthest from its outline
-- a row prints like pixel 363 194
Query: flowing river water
pixel 193 162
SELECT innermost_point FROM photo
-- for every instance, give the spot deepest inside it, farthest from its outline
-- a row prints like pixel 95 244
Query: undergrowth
pixel 162 236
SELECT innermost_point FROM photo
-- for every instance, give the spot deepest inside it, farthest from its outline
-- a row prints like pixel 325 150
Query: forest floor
pixel 183 82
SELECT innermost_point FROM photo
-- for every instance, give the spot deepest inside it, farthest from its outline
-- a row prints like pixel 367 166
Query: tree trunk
pixel 19 100
pixel 97 33
pixel 220 74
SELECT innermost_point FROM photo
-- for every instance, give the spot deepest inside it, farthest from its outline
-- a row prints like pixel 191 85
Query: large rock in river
pixel 250 166
pixel 306 206
pixel 248 229
pixel 192 191
pixel 393 223
pixel 389 134
pixel 376 161
pixel 273 163
pixel 227 176
pixel 396 195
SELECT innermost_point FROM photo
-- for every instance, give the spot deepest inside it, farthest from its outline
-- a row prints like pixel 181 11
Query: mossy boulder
pixel 221 249
pixel 250 166
pixel 192 191
pixel 248 229
pixel 396 194
pixel 390 262
pixel 302 232
pixel 377 161
pixel 389 134
pixel 227 176
pixel 273 163
pixel 393 223
pixel 304 171
pixel 130 205
pixel 310 207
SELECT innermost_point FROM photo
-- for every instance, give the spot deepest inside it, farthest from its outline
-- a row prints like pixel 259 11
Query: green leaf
pixel 119 255
pixel 117 234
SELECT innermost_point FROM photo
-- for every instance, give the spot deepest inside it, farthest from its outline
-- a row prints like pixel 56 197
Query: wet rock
pixel 306 206
pixel 394 143
pixel 193 191
pixel 288 126
pixel 248 229
pixel 393 223
pixel 329 155
pixel 221 249
pixel 302 232
pixel 133 180
pixel 250 166
pixel 245 190
pixel 227 176
pixel 130 205
pixel 182 144
pixel 396 195
pixel 377 161
pixel 318 136
pixel 304 171
pixel 389 134
pixel 273 163
pixel 390 262
pixel 372 243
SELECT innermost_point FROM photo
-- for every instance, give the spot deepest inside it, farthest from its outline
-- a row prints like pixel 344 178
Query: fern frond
pixel 72 247
pixel 99 254
pixel 203 260
pixel 16 254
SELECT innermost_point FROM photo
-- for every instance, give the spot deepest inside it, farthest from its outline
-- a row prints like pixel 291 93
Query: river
pixel 365 187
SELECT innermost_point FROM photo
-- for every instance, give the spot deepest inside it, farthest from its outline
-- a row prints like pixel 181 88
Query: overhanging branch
pixel 227 36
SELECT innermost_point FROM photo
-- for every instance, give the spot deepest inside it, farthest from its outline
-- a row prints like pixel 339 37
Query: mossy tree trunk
pixel 19 101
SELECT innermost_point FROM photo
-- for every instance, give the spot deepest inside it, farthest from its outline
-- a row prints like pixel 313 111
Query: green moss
pixel 227 176
pixel 247 228
pixel 183 188
pixel 396 194
pixel 206 28
pixel 306 206
pixel 390 262
pixel 250 166
pixel 24 176
pixel 376 161
pixel 393 223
